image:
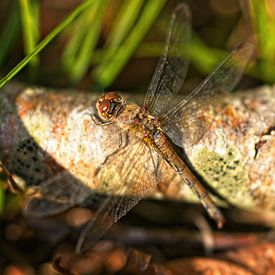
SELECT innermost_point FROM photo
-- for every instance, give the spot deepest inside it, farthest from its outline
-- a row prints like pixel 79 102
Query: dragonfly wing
pixel 172 66
pixel 56 194
pixel 44 207
pixel 137 176
pixel 185 122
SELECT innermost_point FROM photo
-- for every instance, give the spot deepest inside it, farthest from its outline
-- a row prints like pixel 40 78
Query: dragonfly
pixel 155 129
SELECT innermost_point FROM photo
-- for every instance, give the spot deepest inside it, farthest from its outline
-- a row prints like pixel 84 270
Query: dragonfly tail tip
pixel 220 223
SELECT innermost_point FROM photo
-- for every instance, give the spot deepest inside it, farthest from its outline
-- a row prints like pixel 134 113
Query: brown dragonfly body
pixel 136 121
pixel 154 129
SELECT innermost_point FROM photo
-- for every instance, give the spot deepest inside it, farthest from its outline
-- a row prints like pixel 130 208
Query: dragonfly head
pixel 110 105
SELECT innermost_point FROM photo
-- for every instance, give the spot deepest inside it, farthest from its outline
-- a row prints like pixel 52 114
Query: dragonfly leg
pixel 121 145
pixel 13 185
pixel 98 121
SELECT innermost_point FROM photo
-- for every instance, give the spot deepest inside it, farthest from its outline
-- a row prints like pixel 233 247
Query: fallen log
pixel 50 140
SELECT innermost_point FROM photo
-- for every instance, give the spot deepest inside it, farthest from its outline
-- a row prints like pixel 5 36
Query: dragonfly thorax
pixel 136 120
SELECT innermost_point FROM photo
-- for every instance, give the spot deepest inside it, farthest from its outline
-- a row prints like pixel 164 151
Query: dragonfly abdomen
pixel 181 168
pixel 165 149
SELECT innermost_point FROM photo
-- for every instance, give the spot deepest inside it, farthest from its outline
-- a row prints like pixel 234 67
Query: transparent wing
pixel 63 190
pixel 172 66
pixel 56 194
pixel 133 174
pixel 186 122
pixel 44 207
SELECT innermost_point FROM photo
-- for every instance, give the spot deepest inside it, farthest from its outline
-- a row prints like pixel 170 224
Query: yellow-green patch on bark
pixel 226 173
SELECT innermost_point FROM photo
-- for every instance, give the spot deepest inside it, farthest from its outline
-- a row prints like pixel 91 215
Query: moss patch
pixel 225 173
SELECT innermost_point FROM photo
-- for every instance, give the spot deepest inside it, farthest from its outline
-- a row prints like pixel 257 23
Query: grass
pixel 133 20
pixel 9 34
pixel 49 38
pixel 80 48
pixel 30 26
pixel 263 22
pixel 118 54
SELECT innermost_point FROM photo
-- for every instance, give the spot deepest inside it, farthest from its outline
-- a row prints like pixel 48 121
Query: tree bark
pixel 48 137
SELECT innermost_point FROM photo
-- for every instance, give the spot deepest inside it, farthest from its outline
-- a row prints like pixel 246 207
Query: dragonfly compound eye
pixel 103 106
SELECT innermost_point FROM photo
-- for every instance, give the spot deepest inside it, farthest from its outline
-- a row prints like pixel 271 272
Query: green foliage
pixel 119 50
pixel 124 39
pixel 57 30
pixel 84 37
pixel 30 26
pixel 122 25
pixel 264 27
pixel 9 34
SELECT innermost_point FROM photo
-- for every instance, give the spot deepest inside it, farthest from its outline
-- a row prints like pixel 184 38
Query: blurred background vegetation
pixel 114 44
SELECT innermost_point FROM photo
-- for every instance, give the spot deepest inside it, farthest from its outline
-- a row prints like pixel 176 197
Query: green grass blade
pixel 123 23
pixel 79 51
pixel 203 57
pixel 78 10
pixel 76 33
pixel 107 75
pixel 264 26
pixel 30 26
pixel 9 34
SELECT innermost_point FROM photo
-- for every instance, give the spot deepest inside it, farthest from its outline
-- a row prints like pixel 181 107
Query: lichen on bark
pixel 236 156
